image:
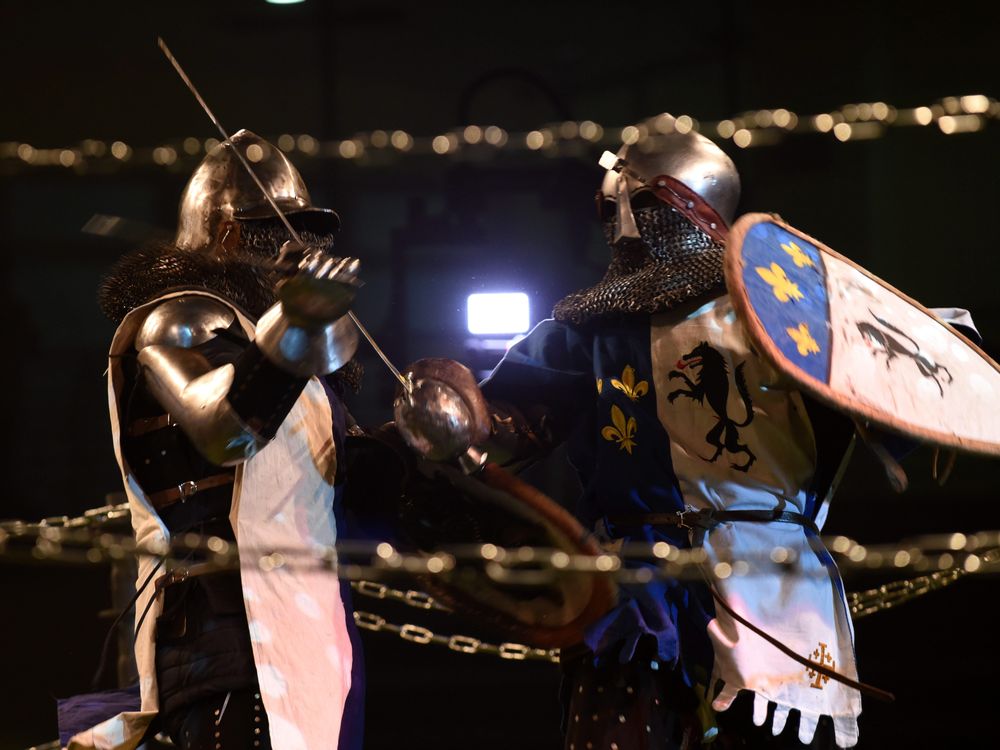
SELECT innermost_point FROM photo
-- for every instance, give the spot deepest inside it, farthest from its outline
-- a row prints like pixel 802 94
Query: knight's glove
pixel 309 332
pixel 441 414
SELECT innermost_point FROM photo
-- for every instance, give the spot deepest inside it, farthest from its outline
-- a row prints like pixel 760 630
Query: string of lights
pixel 761 127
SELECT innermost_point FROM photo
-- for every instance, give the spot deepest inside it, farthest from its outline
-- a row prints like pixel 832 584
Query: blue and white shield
pixel 855 342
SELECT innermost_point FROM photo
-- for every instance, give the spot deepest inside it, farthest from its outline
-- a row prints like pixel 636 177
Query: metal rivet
pixel 690 204
pixel 621 718
pixel 216 712
pixel 256 719
pixel 656 701
pixel 590 746
pixel 163 453
pixel 581 689
pixel 594 717
pixel 712 225
pixel 661 183
pixel 614 746
pixel 256 696
pixel 630 690
pixel 146 462
pixel 257 730
pixel 654 665
pixel 576 718
pixel 648 728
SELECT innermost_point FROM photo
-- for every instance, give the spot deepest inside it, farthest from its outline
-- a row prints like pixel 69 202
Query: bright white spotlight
pixel 498 313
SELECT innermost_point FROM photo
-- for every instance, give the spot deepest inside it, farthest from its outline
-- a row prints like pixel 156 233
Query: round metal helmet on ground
pixel 690 158
pixel 221 191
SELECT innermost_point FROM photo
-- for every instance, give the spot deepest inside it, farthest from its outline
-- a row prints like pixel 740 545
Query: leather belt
pixel 706 518
pixel 184 490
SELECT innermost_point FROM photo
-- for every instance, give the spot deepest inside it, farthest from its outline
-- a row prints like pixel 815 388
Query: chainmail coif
pixel 673 262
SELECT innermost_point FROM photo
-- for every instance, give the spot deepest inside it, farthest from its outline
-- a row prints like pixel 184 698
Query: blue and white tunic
pixel 673 410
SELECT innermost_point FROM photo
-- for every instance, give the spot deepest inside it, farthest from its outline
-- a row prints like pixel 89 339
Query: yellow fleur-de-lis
pixel 798 255
pixel 803 339
pixel 783 288
pixel 628 386
pixel 621 431
pixel 600 385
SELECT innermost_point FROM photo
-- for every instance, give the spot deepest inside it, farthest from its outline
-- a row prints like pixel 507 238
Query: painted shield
pixel 858 344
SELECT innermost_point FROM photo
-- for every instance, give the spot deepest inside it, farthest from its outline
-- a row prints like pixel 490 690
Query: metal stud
pixel 630 690
pixel 690 204
pixel 614 746
pixel 712 225
pixel 621 718
pixel 594 717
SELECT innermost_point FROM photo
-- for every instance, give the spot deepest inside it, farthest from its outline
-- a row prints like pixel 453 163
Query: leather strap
pixel 182 574
pixel 706 518
pixel 184 490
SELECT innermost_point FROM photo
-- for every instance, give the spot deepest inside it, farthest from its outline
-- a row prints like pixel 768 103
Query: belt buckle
pixel 682 513
pixel 187 489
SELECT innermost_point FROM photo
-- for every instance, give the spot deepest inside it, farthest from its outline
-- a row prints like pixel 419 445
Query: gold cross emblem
pixel 824 659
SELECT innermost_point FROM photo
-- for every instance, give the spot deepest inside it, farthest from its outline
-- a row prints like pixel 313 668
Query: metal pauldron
pixel 306 351
pixel 184 322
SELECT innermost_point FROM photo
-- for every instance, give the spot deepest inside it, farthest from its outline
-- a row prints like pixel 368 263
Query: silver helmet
pixel 689 158
pixel 221 195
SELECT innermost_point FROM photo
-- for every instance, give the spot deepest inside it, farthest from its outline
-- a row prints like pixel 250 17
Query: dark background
pixel 916 207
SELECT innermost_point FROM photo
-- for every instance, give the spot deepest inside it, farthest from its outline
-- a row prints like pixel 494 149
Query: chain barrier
pixel 462 644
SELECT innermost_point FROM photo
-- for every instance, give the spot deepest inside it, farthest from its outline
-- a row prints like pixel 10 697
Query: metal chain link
pixel 411 598
pixel 889 595
pixel 462 644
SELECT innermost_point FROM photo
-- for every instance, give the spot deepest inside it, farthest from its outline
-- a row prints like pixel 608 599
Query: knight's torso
pixel 681 411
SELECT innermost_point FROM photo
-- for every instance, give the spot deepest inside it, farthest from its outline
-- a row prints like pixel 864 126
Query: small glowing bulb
pixel 726 128
pixel 590 130
pixel 119 150
pixel 742 138
pixel 401 140
pixel 684 124
pixel 254 152
pixel 923 115
pixel 441 144
pixel 534 140
pixel 842 131
pixel 191 146
pixel 630 135
pixel 379 139
pixel 473 134
pixel 348 149
pixel 286 142
pixel 823 122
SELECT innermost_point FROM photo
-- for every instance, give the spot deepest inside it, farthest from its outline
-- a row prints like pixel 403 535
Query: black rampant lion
pixel 711 384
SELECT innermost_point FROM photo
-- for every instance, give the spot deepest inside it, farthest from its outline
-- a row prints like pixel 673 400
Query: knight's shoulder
pixel 184 322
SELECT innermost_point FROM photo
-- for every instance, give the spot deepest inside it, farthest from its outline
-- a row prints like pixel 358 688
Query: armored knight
pixel 682 433
pixel 232 340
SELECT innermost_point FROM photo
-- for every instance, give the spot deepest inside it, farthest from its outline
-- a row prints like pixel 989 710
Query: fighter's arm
pixel 231 407
pixel 527 406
